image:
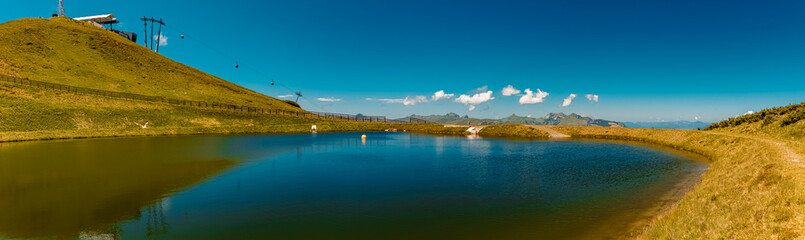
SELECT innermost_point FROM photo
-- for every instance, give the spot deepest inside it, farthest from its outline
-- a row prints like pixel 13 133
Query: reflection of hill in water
pixel 68 189
pixel 83 189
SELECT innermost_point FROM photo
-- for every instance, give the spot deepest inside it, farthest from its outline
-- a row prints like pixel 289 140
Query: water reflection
pixel 155 218
pixel 73 189
pixel 322 186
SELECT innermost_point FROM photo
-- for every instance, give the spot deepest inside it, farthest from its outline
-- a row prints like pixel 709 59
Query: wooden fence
pixel 213 105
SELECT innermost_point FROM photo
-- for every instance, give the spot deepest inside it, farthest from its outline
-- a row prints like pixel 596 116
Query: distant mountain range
pixel 669 125
pixel 550 119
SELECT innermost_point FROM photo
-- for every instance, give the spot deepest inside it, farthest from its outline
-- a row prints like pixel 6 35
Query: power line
pixel 248 67
pixel 314 104
pixel 222 53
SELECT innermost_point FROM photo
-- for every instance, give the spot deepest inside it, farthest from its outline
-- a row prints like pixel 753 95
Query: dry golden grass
pixel 752 190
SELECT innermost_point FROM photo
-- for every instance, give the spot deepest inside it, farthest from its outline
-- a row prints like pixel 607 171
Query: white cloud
pixel 697 118
pixel 405 101
pixel 748 113
pixel 509 90
pixel 441 95
pixel 285 96
pixel 529 115
pixel 592 97
pixel 329 99
pixel 475 99
pixel 163 40
pixel 481 89
pixel 414 100
pixel 531 97
pixel 391 100
pixel 568 100
pixel 472 107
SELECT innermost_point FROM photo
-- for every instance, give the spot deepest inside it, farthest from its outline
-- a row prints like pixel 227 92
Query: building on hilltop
pixel 101 20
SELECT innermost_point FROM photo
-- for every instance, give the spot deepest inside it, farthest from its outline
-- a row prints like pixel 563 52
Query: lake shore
pixel 752 189
pixel 746 173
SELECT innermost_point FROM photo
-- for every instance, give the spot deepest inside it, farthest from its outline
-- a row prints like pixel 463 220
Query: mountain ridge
pixel 559 119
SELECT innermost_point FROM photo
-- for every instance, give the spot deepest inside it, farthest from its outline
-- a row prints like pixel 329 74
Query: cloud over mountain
pixel 568 100
pixel 509 90
pixel 390 100
pixel 414 100
pixel 475 99
pixel 441 95
pixel 531 97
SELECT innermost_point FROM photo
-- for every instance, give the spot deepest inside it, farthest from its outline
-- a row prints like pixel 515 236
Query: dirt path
pixel 551 132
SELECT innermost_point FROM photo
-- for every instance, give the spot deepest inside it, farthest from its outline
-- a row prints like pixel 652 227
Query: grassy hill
pixel 755 185
pixel 551 119
pixel 669 124
pixel 782 122
pixel 62 50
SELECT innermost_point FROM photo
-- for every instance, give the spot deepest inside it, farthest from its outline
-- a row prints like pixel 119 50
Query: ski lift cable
pixel 314 104
pixel 232 58
pixel 249 68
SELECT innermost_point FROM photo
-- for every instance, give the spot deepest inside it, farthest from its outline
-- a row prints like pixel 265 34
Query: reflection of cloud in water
pixel 439 145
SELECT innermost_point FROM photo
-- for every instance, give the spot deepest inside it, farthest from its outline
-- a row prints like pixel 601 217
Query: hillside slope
pixel 62 50
pixel 755 186
pixel 781 122
pixel 669 124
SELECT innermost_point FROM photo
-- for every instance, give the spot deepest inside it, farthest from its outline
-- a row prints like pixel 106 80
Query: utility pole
pixel 159 34
pixel 61 8
pixel 151 37
pixel 145 32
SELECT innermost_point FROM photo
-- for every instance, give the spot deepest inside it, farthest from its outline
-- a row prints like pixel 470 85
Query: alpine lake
pixel 336 186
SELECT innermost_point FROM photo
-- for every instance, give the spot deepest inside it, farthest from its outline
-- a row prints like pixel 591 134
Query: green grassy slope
pixel 781 122
pixel 61 50
pixel 28 113
pixel 65 51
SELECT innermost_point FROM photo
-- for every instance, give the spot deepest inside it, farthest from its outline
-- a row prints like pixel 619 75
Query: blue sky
pixel 646 60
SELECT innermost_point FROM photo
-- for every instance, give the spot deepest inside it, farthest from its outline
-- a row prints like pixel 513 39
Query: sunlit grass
pixel 61 50
pixel 752 189
pixel 512 130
